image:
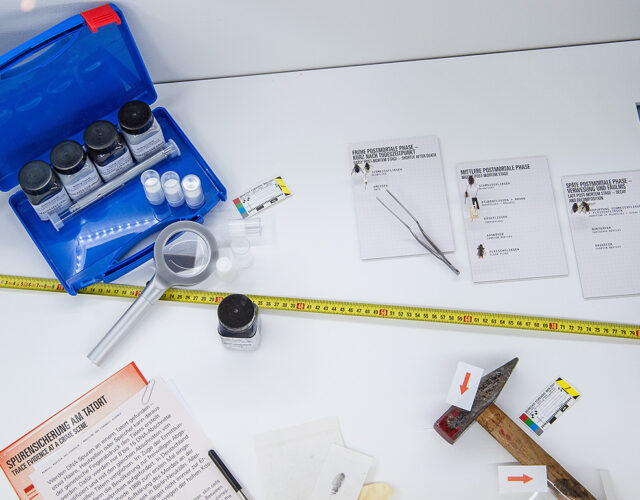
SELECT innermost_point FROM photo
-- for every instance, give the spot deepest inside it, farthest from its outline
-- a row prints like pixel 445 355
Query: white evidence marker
pixel 464 385
pixel 522 478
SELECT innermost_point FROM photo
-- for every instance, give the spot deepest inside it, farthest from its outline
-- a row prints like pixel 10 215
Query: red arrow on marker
pixel 465 384
pixel 524 478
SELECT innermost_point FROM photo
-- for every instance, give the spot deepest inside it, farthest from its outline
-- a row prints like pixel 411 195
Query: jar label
pixel 56 204
pixel 240 343
pixel 147 147
pixel 114 168
pixel 84 184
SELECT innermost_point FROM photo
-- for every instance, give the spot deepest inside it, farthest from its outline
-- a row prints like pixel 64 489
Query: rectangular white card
pixel 522 478
pixel 149 444
pixel 464 385
pixel 411 169
pixel 342 475
pixel 604 215
pixel 510 219
pixel 289 460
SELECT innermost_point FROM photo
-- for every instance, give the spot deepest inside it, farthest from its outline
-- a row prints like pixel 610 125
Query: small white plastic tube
pixel 192 189
pixel 152 188
pixel 226 268
pixel 172 190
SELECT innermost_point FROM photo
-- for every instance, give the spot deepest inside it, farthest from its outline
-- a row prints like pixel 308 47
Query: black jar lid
pixel 36 177
pixel 236 314
pixel 68 157
pixel 135 117
pixel 101 136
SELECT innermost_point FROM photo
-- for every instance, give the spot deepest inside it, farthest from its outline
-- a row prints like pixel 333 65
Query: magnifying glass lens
pixel 187 254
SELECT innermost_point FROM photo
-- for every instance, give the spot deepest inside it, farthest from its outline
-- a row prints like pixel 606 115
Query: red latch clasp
pixel 100 16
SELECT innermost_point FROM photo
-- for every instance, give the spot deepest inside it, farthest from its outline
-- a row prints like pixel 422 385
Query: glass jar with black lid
pixel 107 149
pixel 43 189
pixel 140 129
pixel 75 169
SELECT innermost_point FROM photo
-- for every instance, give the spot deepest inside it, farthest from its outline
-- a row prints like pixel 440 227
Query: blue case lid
pixel 55 84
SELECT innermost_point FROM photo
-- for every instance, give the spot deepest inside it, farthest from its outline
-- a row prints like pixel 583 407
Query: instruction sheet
pixel 604 215
pixel 411 169
pixel 149 444
pixel 510 219
pixel 69 425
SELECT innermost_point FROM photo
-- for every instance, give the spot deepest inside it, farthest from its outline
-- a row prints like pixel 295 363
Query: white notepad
pixel 604 215
pixel 411 169
pixel 510 219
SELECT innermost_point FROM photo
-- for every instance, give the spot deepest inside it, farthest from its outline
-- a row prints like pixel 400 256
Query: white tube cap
pixel 192 189
pixel 226 268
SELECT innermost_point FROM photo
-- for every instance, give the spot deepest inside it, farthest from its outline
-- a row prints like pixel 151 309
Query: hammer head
pixel 455 420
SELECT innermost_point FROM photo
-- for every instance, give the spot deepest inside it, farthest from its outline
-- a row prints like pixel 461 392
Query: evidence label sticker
pixel 261 197
pixel 549 405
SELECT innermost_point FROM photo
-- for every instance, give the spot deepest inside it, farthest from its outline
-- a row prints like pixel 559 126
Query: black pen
pixel 227 475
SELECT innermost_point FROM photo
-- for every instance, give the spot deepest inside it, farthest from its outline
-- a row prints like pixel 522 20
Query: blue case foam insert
pixel 51 88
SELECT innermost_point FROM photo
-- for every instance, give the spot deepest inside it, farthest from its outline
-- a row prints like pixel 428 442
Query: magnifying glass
pixel 185 254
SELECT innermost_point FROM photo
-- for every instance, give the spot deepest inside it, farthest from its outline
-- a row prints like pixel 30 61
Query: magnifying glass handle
pixel 151 293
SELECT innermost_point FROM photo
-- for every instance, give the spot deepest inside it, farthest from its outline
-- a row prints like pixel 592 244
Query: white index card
pixel 464 385
pixel 522 478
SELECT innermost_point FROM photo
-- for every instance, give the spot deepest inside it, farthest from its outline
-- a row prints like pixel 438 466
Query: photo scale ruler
pixel 342 308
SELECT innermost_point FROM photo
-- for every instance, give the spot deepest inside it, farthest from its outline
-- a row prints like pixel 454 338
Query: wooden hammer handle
pixel 526 451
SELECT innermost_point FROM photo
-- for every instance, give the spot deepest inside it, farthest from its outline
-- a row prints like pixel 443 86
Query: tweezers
pixel 431 246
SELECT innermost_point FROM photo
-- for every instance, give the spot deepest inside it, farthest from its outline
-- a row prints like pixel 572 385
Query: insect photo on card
pixel 357 169
pixel 481 250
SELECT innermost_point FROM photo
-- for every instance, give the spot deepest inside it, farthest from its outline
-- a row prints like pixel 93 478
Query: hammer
pixel 504 430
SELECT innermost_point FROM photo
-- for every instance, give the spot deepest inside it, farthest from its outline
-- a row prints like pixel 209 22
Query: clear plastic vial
pixel 107 149
pixel 171 187
pixel 192 189
pixel 75 169
pixel 43 189
pixel 152 188
pixel 140 129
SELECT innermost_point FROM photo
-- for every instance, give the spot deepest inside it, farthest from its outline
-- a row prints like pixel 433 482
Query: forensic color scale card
pixel 411 169
pixel 604 215
pixel 510 219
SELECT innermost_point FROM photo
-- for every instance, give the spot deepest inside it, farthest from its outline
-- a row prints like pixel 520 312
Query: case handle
pixel 38 51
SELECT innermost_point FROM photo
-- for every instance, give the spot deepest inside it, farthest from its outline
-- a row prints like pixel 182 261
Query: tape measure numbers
pixel 431 315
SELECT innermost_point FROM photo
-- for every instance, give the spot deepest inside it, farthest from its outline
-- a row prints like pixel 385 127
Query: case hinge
pixel 100 16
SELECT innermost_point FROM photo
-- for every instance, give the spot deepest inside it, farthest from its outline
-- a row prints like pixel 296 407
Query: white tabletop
pixel 385 380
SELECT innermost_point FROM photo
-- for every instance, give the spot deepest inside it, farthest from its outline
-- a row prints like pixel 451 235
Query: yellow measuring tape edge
pixel 431 315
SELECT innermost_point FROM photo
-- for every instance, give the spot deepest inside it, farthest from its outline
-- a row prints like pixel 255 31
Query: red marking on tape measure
pixel 383 312
pixel 467 319
pixel 300 305
pixel 553 326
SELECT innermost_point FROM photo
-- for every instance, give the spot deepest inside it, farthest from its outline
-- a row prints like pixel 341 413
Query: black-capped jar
pixel 75 169
pixel 43 189
pixel 239 323
pixel 140 129
pixel 107 149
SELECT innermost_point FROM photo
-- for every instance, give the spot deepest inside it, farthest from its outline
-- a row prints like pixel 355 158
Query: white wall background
pixel 190 39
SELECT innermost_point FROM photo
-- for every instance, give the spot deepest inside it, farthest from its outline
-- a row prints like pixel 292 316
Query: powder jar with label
pixel 239 323
pixel 75 169
pixel 107 149
pixel 140 129
pixel 43 189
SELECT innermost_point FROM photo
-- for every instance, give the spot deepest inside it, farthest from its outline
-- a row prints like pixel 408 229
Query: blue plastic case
pixel 53 86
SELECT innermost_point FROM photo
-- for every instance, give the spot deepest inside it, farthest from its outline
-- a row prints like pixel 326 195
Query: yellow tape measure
pixel 431 315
